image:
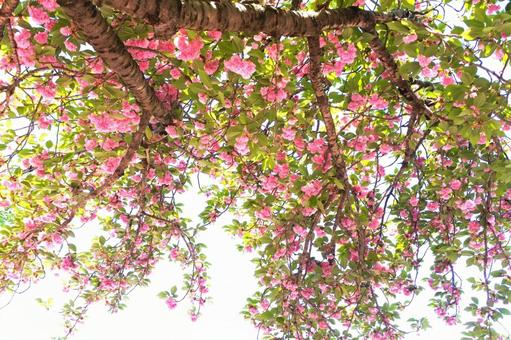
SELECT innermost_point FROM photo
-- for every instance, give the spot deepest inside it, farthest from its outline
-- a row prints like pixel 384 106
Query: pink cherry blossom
pixel 312 188
pixel 241 145
pixel 323 324
pixel 499 53
pixel 65 31
pixel 171 303
pixel 50 5
pixel 414 201
pixel 270 183
pixel 473 227
pixel 211 66
pixel 446 80
pixel 111 164
pixel 68 263
pixel 39 16
pixel 433 206
pixel 282 170
pixel 188 50
pixel 410 38
pixel 273 51
pixel 245 68
pixel 357 101
pixel 273 93
pixel 41 37
pixel 47 90
pixel 288 133
pixel 215 35
pixel 317 146
pixel 377 102
pixel 430 72
pixel 172 131
pixel 455 184
pixel 299 230
pixel 424 61
pixel 70 46
pixel 22 38
pixel 90 145
pixel 109 144
pixel 347 55
pixel 44 122
pixel 467 206
pixel 326 268
pixel 445 193
pixel 492 9
pixel 264 214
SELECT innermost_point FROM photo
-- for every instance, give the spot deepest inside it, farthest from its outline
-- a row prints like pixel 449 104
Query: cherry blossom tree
pixel 354 140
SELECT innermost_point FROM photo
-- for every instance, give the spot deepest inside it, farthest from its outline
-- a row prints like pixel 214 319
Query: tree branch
pixel 5 13
pixel 403 86
pixel 113 52
pixel 111 49
pixel 324 107
pixel 247 18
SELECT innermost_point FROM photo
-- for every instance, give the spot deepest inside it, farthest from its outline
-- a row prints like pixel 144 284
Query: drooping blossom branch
pixel 112 50
pixel 318 84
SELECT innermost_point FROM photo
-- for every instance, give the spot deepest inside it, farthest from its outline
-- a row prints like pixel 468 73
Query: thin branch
pixel 318 85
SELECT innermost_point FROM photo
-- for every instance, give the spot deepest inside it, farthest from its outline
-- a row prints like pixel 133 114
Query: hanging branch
pixel 111 49
pixel 318 84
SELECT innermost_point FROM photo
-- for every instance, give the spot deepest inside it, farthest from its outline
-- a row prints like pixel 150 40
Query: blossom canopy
pixel 363 149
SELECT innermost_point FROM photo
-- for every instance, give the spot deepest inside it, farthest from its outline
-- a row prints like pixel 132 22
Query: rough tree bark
pixel 111 49
pixel 5 13
pixel 244 18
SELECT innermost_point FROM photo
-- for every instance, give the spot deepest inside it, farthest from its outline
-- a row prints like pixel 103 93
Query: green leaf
pixel 409 69
pixel 504 28
pixel 398 27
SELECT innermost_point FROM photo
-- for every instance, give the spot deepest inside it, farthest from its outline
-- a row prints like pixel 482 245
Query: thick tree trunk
pixel 110 48
pixel 244 18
